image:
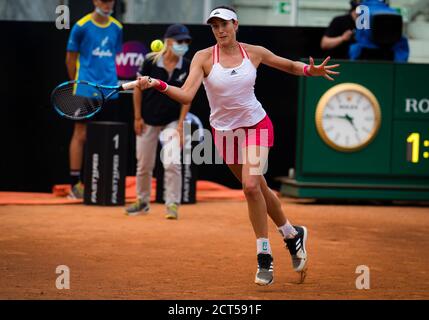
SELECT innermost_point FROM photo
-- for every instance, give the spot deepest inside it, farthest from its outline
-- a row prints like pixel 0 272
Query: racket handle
pixel 130 85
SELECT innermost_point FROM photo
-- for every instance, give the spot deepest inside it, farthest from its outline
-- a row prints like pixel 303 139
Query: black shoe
pixel 297 250
pixel 264 275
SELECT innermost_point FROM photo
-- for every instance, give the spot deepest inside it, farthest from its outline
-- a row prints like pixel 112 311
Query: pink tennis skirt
pixel 229 143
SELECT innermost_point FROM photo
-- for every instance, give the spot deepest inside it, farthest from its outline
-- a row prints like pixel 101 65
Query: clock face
pixel 348 117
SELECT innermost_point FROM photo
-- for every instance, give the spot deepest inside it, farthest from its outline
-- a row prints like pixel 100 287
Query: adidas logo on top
pixel 233 72
pixel 217 12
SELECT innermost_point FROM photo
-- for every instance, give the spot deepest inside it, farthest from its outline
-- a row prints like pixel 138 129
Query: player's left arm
pixel 296 67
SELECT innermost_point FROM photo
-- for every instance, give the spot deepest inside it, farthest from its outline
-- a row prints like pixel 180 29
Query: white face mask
pixel 102 13
pixel 180 49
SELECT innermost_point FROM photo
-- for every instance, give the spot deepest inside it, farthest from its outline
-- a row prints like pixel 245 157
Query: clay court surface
pixel 210 252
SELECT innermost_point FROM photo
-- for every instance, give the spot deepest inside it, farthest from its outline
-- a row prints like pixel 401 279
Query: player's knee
pixel 79 134
pixel 82 138
pixel 251 188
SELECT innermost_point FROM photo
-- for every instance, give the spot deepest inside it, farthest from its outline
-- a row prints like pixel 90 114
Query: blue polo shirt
pixel 97 46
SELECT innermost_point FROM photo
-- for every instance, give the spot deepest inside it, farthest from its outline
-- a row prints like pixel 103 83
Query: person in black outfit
pixel 340 34
pixel 155 115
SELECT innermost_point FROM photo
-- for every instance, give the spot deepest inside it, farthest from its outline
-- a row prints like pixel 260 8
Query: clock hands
pixel 345 117
pixel 350 119
pixel 330 116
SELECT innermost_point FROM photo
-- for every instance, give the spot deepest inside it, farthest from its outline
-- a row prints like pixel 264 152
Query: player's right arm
pixel 73 49
pixel 187 92
pixel 71 60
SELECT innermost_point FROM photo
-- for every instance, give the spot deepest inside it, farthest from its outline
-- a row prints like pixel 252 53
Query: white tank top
pixel 231 94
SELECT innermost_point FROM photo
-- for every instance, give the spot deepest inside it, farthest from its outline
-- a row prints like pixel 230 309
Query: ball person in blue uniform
pixel 93 44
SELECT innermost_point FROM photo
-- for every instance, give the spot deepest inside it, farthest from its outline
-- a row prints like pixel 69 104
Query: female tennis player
pixel 228 72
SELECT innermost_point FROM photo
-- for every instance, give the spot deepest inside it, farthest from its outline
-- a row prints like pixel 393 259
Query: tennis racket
pixel 79 100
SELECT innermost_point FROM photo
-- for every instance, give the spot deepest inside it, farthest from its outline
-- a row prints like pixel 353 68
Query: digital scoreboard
pixel 363 136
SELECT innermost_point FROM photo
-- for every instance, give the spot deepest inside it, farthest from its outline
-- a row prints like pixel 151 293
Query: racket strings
pixel 77 101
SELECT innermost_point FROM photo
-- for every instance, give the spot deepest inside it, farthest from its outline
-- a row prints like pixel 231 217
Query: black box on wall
pixel 105 163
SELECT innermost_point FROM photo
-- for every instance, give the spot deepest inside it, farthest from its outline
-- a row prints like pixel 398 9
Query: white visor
pixel 223 14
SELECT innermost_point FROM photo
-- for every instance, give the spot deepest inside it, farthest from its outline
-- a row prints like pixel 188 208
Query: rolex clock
pixel 365 136
pixel 348 117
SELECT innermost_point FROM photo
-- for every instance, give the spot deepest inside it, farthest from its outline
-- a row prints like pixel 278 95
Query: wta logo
pixel 130 59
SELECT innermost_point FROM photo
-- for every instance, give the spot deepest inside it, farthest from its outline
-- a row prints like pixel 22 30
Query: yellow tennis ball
pixel 156 45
